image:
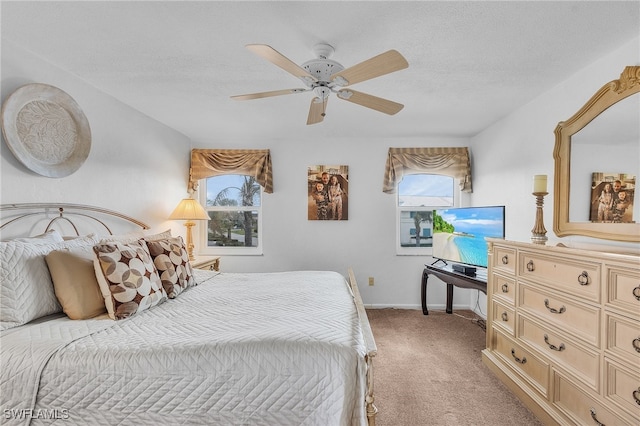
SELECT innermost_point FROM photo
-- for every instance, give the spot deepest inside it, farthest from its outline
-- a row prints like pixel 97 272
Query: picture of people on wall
pixel 328 188
pixel 612 197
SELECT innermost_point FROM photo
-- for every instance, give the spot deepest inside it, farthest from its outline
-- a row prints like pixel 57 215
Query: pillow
pixel 160 236
pixel 51 236
pixel 129 237
pixel 26 289
pixel 132 237
pixel 172 261
pixel 75 283
pixel 128 280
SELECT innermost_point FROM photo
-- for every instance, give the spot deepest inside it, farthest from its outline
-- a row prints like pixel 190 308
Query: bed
pixel 280 348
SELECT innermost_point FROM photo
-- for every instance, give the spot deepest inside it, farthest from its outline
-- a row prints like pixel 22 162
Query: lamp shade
pixel 189 209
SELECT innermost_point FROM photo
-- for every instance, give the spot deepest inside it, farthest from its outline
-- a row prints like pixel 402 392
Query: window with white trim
pixel 417 196
pixel 234 205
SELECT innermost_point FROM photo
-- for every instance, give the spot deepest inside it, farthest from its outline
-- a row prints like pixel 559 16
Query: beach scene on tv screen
pixel 459 233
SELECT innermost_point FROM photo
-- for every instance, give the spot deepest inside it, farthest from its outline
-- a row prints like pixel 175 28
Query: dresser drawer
pixel 576 278
pixel 533 369
pixel 623 289
pixel 580 320
pixel 622 387
pixel 623 338
pixel 504 288
pixel 563 352
pixel 504 259
pixel 581 407
pixel 504 317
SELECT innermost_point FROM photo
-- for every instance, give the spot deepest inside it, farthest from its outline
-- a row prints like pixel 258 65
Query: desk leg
pixel 449 298
pixel 425 277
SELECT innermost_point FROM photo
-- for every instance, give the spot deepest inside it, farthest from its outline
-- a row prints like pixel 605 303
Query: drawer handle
pixel 584 279
pixel 505 260
pixel 530 266
pixel 636 396
pixel 505 318
pixel 595 419
pixel 554 347
pixel 636 344
pixel 521 361
pixel 505 288
pixel 554 310
pixel 636 292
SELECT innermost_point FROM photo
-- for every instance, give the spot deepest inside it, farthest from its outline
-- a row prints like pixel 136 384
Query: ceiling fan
pixel 324 76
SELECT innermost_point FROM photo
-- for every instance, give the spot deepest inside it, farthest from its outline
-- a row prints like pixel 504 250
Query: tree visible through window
pixel 418 195
pixel 234 206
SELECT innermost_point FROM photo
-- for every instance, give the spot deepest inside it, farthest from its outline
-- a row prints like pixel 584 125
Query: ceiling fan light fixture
pixel 345 94
pixel 340 81
pixel 322 91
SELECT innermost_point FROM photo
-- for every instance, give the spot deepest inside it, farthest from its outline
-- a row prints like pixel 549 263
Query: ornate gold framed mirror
pixel 603 136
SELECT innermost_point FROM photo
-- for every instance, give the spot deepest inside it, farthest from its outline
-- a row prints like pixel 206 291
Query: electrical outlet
pixel 370 280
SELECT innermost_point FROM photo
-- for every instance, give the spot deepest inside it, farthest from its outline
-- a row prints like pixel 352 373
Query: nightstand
pixel 211 263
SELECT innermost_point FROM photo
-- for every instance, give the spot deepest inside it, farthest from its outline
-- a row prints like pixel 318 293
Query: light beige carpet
pixel 429 371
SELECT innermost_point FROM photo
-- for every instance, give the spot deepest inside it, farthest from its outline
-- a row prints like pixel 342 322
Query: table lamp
pixel 189 210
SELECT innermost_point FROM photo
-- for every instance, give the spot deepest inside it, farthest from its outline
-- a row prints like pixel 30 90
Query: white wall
pixel 509 153
pixel 136 165
pixel 365 242
pixel 140 167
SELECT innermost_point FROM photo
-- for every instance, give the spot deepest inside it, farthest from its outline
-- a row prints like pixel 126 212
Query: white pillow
pixel 26 289
pixel 129 237
pixel 134 236
pixel 51 236
pixel 159 236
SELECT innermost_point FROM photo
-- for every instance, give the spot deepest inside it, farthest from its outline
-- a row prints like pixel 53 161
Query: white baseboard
pixel 430 307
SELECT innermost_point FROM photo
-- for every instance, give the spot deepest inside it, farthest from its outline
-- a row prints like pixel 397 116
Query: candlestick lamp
pixel 538 233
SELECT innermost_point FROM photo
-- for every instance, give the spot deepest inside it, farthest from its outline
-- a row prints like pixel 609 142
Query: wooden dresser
pixel 563 331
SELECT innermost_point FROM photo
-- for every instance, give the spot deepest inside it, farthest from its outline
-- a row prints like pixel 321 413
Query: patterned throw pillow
pixel 127 277
pixel 172 261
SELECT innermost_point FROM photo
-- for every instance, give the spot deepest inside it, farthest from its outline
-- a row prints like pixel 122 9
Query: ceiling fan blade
pixel 267 94
pixel 278 59
pixel 370 101
pixel 382 64
pixel 316 110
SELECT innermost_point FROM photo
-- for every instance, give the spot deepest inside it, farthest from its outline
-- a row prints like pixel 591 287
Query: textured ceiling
pixel 470 63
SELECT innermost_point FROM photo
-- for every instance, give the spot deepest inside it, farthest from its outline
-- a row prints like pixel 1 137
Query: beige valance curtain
pixel 452 162
pixel 214 162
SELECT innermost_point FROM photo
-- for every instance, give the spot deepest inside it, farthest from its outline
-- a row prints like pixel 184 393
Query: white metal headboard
pixel 53 213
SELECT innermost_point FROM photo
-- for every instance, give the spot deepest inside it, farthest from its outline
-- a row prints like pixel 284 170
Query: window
pixel 233 203
pixel 417 196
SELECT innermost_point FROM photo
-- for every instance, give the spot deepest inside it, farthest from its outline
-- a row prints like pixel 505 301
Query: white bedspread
pixel 238 349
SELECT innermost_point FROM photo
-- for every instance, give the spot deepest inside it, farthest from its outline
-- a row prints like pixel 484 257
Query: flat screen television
pixel 459 233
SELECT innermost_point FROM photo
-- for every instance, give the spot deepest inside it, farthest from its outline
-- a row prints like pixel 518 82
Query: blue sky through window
pixel 218 183
pixel 425 190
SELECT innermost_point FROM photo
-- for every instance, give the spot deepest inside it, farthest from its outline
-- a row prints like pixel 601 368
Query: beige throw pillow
pixel 75 283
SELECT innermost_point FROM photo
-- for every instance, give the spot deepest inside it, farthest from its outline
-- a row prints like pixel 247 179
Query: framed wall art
pixel 328 192
pixel 612 197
